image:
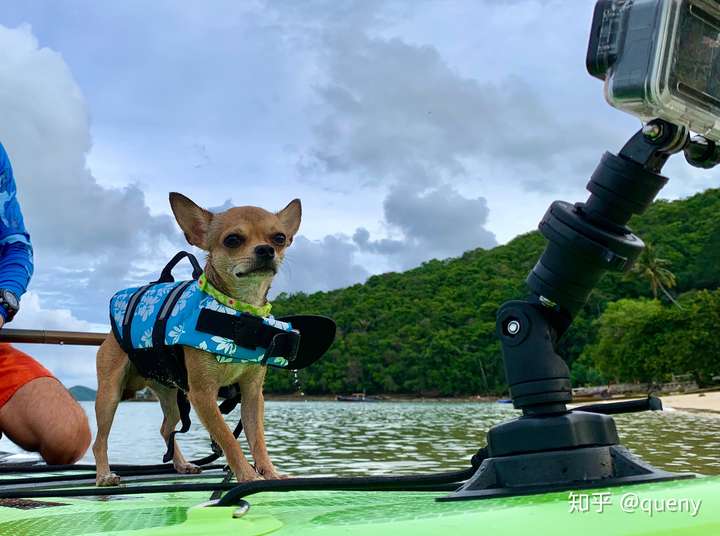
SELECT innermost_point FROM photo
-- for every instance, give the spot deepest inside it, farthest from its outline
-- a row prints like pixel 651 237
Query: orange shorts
pixel 16 369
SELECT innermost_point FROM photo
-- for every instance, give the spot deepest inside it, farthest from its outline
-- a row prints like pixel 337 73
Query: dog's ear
pixel 193 220
pixel 290 216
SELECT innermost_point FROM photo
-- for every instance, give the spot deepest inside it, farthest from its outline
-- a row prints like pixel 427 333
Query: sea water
pixel 325 438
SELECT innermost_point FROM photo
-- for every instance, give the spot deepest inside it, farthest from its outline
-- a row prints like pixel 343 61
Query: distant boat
pixel 357 397
pixel 504 401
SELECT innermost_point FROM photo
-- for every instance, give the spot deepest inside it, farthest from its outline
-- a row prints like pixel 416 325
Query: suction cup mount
pixel 550 447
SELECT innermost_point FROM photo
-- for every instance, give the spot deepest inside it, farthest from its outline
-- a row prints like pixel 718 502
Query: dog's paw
pixel 107 480
pixel 268 472
pixel 247 474
pixel 187 468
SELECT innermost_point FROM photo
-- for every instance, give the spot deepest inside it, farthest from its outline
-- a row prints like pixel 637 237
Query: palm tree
pixel 649 266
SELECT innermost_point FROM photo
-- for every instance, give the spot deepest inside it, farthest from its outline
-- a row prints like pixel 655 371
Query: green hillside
pixel 431 330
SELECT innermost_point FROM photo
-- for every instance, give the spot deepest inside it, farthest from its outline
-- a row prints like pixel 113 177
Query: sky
pixel 410 130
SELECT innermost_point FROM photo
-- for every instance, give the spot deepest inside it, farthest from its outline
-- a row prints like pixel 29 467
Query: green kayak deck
pixel 373 513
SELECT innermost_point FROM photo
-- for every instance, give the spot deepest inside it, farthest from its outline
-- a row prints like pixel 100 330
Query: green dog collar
pixel 243 307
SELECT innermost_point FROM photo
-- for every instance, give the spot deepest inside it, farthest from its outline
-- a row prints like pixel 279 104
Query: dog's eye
pixel 279 239
pixel 233 241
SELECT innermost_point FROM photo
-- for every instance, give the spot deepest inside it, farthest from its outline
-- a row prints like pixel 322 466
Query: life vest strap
pixel 226 406
pixel 184 407
pixel 166 274
pixel 126 339
pixel 158 334
pixel 250 332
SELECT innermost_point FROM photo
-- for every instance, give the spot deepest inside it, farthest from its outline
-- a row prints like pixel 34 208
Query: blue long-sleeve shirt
pixel 16 254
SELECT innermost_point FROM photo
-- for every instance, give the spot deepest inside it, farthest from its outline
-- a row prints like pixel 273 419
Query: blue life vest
pixel 161 315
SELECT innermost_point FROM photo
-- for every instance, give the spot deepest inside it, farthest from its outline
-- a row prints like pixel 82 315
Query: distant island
pixel 82 393
pixel 86 394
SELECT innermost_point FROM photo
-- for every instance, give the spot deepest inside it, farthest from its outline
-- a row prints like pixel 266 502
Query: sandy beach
pixel 709 401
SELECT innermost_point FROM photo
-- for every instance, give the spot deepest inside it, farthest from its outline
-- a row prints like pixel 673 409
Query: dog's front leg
pixel 204 402
pixel 203 389
pixel 112 372
pixel 252 412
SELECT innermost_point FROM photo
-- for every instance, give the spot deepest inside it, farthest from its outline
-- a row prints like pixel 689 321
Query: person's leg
pixel 40 415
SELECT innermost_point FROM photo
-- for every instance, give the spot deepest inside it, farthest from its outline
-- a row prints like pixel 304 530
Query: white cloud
pixel 33 315
pixel 88 239
pixel 434 223
pixel 312 265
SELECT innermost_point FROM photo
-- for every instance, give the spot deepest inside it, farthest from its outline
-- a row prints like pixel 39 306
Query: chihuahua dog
pixel 245 247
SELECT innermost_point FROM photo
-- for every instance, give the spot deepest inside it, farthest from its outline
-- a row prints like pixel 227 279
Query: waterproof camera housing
pixel 660 59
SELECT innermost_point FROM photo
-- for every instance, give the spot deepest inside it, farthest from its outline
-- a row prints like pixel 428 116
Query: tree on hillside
pixel 640 340
pixel 655 270
pixel 691 343
pixel 628 342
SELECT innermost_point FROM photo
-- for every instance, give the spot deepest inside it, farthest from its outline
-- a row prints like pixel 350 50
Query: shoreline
pixel 698 402
pixel 381 398
pixel 702 402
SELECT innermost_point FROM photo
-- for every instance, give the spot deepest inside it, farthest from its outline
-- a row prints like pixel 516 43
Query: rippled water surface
pixel 336 438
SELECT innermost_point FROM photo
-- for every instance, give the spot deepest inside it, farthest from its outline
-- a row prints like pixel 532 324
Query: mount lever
pixel 651 403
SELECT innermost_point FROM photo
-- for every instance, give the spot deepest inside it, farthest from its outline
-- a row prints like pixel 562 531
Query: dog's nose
pixel 265 252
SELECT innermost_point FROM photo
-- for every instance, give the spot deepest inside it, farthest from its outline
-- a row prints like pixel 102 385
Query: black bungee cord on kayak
pixel 66 485
pixel 447 481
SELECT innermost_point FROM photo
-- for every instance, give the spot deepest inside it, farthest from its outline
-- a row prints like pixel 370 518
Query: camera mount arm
pixel 654 143
pixel 549 447
pixel 585 240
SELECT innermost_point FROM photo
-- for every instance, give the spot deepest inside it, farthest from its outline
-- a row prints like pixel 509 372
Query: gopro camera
pixel 660 59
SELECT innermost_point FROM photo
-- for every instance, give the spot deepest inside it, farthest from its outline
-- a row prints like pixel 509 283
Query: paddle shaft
pixel 41 336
